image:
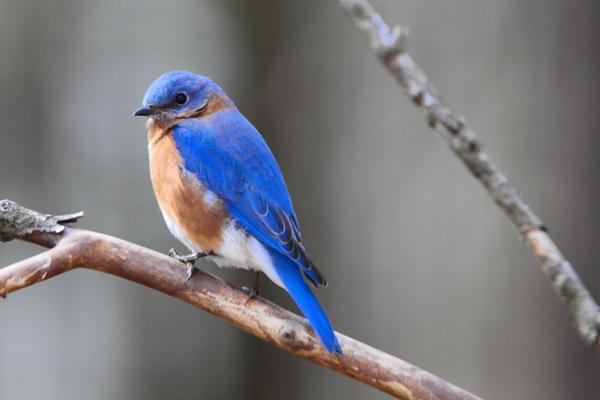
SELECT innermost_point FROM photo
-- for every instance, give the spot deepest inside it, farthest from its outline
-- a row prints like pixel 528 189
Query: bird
pixel 222 193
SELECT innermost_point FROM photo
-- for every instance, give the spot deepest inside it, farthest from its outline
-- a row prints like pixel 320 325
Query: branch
pixel 389 45
pixel 72 248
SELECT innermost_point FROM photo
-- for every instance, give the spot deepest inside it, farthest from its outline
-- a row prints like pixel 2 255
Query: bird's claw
pixel 190 272
pixel 189 260
pixel 255 289
pixel 181 258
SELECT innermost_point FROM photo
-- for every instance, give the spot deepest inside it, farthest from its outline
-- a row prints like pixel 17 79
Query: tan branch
pixel 74 248
pixel 389 45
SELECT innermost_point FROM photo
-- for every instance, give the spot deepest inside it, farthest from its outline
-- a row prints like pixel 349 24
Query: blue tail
pixel 306 301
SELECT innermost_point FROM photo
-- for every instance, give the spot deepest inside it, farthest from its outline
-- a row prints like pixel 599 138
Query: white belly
pixel 238 250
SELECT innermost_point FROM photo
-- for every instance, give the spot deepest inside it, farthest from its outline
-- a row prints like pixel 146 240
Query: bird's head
pixel 180 94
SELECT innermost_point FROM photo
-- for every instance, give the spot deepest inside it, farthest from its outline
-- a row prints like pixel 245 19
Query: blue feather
pixel 306 302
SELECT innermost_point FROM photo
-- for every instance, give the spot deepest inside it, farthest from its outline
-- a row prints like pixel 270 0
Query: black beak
pixel 144 112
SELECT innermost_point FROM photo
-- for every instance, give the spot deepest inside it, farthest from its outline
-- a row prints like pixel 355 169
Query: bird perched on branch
pixel 222 193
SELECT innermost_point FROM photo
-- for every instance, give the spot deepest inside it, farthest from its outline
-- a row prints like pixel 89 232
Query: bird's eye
pixel 181 98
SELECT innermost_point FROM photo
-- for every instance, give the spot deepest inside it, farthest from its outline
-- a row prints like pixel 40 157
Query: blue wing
pixel 232 159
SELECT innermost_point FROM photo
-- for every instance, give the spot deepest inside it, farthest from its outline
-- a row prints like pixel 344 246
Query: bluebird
pixel 221 192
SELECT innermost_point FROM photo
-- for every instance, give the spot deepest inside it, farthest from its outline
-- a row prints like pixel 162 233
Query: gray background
pixel 421 263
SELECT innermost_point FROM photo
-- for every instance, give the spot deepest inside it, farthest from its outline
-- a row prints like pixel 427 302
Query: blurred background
pixel 421 263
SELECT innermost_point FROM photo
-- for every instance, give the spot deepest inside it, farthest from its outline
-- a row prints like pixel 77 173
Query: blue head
pixel 182 94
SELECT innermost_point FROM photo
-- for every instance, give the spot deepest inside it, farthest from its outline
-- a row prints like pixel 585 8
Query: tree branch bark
pixel 390 47
pixel 72 248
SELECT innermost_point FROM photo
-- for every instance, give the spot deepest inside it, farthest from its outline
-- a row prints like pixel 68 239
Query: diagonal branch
pixel 389 45
pixel 74 248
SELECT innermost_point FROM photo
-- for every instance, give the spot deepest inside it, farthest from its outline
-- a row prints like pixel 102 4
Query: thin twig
pixel 74 248
pixel 390 46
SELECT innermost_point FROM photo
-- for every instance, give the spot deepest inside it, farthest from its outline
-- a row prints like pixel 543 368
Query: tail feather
pixel 294 282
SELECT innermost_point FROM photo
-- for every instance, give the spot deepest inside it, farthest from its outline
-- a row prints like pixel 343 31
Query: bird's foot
pixel 255 288
pixel 189 260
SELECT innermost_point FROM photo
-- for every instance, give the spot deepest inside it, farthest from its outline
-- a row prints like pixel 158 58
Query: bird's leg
pixel 189 260
pixel 254 291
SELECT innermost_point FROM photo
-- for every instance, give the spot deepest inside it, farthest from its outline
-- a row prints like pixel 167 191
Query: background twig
pixel 389 45
pixel 73 248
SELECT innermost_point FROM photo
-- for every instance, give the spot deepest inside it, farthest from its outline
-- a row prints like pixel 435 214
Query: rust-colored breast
pixel 180 195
